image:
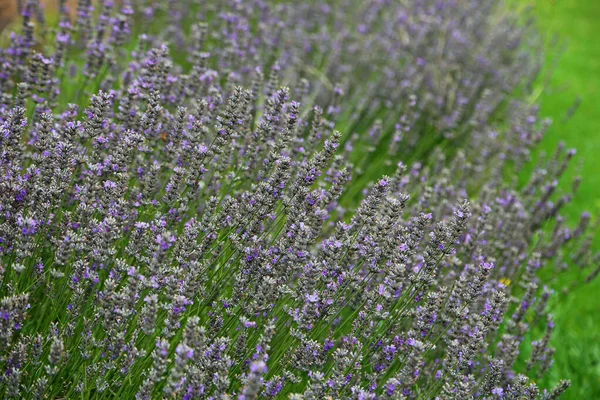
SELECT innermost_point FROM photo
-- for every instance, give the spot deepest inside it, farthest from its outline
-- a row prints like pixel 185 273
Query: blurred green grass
pixel 571 31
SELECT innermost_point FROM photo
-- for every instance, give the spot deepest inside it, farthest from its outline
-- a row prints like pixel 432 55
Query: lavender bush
pixel 185 206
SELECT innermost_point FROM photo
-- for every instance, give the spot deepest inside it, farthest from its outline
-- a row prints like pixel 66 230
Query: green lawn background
pixel 574 65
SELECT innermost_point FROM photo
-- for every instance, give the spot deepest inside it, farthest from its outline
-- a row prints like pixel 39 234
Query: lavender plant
pixel 186 213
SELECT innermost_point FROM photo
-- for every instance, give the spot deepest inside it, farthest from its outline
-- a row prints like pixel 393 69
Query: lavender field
pixel 251 199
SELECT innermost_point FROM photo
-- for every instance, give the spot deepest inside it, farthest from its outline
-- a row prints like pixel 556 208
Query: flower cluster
pixel 274 200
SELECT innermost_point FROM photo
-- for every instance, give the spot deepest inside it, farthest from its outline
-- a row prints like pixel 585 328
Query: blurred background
pixel 570 84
